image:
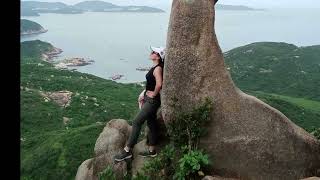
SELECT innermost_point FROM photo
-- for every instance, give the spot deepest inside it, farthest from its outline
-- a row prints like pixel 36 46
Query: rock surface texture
pixel 110 142
pixel 247 138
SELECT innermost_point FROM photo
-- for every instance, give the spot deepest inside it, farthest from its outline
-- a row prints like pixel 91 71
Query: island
pixel 143 68
pixel 116 77
pixel 235 8
pixel 28 27
pixel 33 8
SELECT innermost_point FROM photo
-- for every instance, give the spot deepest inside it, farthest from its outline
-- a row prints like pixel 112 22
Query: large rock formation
pixel 247 138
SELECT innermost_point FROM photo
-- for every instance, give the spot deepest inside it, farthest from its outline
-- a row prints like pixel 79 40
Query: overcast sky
pixel 251 3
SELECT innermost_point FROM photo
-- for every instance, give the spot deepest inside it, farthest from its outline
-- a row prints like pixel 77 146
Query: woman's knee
pixel 137 122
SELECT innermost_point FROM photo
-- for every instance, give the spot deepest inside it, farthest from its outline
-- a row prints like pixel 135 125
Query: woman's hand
pixel 141 98
pixel 150 94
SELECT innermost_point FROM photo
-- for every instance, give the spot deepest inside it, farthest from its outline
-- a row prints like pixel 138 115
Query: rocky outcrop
pixel 311 178
pixel 110 142
pixel 85 170
pixel 49 55
pixel 62 98
pixel 246 138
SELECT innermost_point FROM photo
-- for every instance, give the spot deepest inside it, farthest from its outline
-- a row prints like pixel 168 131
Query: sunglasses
pixel 153 52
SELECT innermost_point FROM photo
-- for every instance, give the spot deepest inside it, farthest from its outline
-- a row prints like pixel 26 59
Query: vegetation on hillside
pixel 27 26
pixel 305 113
pixel 278 68
pixel 49 148
pixel 31 51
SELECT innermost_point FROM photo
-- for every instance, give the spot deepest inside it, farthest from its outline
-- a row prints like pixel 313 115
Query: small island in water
pixel 33 8
pixel 235 8
pixel 28 27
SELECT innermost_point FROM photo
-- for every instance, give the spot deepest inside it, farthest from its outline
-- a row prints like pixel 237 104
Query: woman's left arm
pixel 158 76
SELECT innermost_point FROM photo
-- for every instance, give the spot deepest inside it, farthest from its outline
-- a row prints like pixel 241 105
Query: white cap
pixel 160 50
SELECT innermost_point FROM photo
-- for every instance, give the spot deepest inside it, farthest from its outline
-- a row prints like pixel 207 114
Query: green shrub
pixel 316 133
pixel 107 174
pixel 140 176
pixel 187 128
pixel 164 161
pixel 190 164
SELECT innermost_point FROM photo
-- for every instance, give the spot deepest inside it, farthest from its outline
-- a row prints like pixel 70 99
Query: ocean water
pixel 119 42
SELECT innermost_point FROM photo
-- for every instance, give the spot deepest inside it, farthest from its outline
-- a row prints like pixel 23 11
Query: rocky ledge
pixel 49 55
pixel 62 98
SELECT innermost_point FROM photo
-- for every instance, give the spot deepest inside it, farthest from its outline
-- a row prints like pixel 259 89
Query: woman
pixel 149 102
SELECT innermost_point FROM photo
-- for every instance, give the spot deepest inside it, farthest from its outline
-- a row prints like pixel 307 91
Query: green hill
pixel 30 27
pixel 53 149
pixel 94 5
pixel 278 68
pixel 34 49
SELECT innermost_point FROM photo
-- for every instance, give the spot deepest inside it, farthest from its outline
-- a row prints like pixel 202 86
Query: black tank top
pixel 151 80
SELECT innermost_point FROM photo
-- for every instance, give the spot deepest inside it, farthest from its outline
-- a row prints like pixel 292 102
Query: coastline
pixel 48 56
pixel 26 33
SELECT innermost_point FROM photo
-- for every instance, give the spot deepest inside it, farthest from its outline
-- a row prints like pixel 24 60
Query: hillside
pixel 55 139
pixel 33 8
pixel 28 12
pixel 50 148
pixel 94 5
pixel 278 68
pixel 29 27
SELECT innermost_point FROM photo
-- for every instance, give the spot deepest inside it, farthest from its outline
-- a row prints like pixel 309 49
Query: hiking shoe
pixel 148 153
pixel 123 155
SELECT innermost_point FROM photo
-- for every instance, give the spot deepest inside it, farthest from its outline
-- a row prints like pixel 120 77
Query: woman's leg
pixel 142 116
pixel 153 131
pixel 145 113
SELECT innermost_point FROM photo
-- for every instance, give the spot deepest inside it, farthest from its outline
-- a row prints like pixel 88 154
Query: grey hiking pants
pixel 147 113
